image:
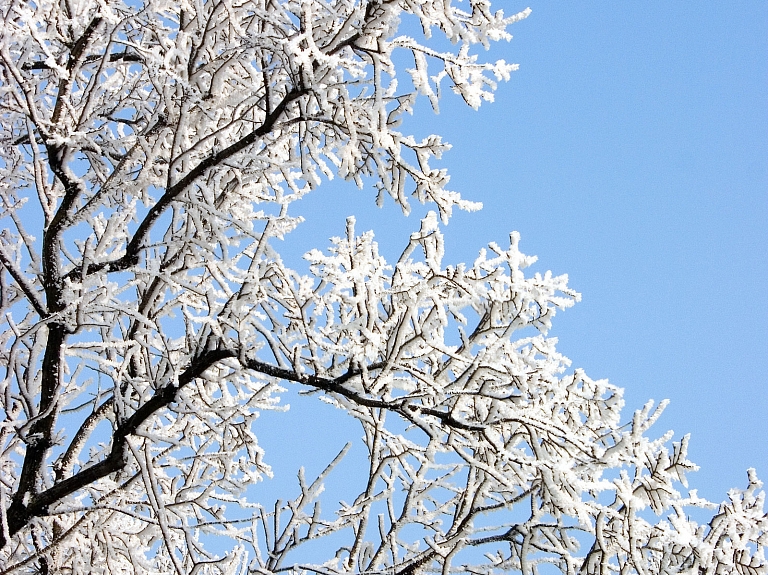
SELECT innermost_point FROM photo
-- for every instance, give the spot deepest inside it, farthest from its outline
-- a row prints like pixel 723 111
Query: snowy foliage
pixel 150 154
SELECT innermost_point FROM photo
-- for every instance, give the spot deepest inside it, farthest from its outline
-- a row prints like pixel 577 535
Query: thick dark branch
pixel 74 59
pixel 509 535
pixel 67 460
pixel 134 247
pixel 40 431
pixel 448 419
pixel 335 385
pixel 116 57
pixel 211 161
pixel 414 568
pixel 82 42
pixel 38 437
pixel 51 237
pixel 22 282
pixel 348 42
pixel 72 187
pixel 19 514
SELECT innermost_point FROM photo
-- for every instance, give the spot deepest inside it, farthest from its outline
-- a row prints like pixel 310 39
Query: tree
pixel 157 147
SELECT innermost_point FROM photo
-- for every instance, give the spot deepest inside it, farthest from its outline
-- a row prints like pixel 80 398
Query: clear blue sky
pixel 631 152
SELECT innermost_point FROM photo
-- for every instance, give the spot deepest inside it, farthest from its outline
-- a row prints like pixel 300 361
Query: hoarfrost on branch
pixel 150 155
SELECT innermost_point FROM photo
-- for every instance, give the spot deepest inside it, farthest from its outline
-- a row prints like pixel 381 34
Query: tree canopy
pixel 151 154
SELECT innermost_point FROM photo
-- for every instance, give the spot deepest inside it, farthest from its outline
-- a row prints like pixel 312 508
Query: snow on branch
pixel 151 156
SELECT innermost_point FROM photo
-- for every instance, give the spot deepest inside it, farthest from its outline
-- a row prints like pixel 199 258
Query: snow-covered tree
pixel 151 151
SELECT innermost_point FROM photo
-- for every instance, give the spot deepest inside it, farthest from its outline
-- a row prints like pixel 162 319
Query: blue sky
pixel 631 152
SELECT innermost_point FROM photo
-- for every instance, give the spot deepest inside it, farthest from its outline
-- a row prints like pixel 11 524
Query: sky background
pixel 630 151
